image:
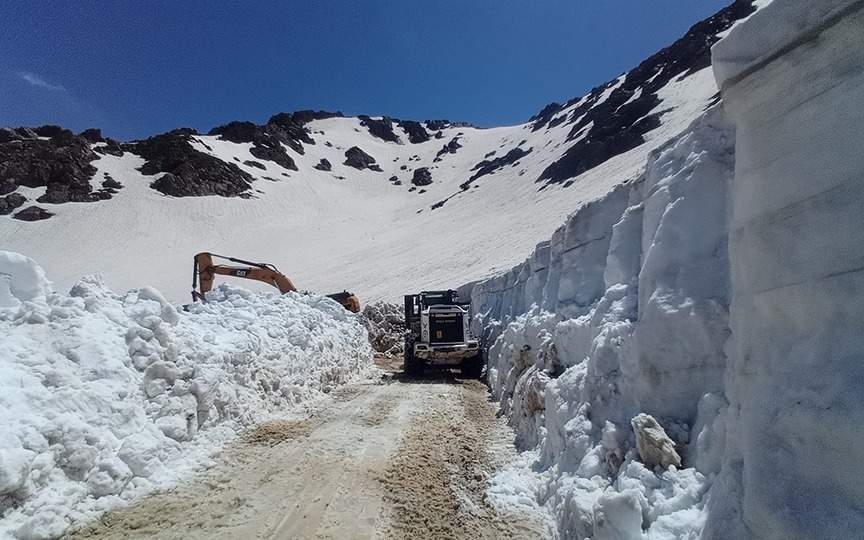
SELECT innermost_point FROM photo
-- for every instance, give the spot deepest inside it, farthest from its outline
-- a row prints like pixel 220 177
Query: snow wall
pixel 105 396
pixel 721 292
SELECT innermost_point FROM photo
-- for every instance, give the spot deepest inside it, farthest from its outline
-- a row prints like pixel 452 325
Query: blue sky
pixel 136 68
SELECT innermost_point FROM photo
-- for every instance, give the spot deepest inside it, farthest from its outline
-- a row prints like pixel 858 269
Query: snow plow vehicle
pixel 205 272
pixel 438 334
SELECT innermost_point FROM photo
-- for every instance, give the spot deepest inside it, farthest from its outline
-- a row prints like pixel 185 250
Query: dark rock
pixel 33 213
pixel 324 165
pixel 421 191
pixel 111 147
pixel 439 134
pixel 542 118
pixel 7 186
pixel 422 177
pixel 11 202
pixel 394 179
pixel 383 128
pixel 403 167
pixel 191 173
pixel 237 132
pixel 62 164
pixel 26 133
pixel 53 132
pixel 437 125
pixel 92 135
pixel 255 164
pixel 183 131
pixel 415 130
pixel 357 158
pixel 490 166
pixel 110 183
pixel 449 148
pixel 8 135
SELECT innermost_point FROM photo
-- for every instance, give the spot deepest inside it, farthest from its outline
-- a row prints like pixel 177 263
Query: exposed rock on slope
pixel 383 128
pixel 61 164
pixel 357 158
pixel 191 173
pixel 603 129
pixel 422 177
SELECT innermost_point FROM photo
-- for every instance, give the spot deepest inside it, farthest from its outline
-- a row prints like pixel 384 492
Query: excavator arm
pixel 205 272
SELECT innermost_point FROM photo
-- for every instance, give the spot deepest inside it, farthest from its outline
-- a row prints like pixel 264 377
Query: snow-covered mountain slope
pixel 493 192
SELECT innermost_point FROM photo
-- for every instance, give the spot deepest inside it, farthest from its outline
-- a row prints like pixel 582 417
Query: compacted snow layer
pixel 624 311
pixel 726 304
pixel 105 396
pixel 796 416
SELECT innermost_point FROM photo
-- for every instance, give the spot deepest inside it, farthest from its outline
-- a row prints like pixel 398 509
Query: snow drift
pixel 107 395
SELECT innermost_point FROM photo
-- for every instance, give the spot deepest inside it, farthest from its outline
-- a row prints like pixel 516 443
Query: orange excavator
pixel 205 272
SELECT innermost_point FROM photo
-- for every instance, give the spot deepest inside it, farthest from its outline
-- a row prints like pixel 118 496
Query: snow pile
pixel 623 312
pixel 104 396
pixel 385 323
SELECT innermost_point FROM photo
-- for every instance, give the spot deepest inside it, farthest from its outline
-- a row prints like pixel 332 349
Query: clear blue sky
pixel 136 68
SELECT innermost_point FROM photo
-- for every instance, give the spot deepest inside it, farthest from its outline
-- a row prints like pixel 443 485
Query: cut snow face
pixel 105 396
pixel 623 312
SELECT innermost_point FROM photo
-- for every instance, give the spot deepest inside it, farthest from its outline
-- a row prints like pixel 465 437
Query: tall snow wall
pixel 793 82
pixel 720 292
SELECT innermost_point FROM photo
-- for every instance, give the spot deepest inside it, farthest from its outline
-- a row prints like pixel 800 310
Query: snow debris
pixel 385 323
pixel 105 396
pixel 655 447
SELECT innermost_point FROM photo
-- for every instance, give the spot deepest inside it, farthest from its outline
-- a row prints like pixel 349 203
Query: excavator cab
pixel 204 273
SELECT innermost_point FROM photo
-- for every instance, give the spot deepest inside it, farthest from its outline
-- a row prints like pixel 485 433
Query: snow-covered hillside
pixel 108 395
pixel 493 192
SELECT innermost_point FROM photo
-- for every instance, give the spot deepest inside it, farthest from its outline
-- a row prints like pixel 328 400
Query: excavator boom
pixel 205 272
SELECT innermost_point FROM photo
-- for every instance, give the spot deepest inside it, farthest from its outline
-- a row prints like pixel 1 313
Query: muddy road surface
pixel 390 458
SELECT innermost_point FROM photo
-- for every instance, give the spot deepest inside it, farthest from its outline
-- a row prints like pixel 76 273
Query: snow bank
pixel 104 396
pixel 726 305
pixel 624 311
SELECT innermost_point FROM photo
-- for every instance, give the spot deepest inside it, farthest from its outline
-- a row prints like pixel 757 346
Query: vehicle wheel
pixel 411 365
pixel 473 368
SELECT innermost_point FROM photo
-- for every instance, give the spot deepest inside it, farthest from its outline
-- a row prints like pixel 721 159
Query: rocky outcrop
pixel 11 202
pixel 33 213
pixel 415 130
pixel 383 128
pixel 422 177
pixel 61 164
pixel 251 163
pixel 489 166
pixel 654 445
pixel 358 159
pixel 93 135
pixel 607 128
pixel 191 173
pixel 266 141
pixel 449 148
pixel 324 165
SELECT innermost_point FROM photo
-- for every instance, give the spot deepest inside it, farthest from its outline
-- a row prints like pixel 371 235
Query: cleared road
pixel 394 458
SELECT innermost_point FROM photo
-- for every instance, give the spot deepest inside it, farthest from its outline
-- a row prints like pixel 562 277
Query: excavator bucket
pixel 348 300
